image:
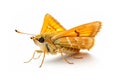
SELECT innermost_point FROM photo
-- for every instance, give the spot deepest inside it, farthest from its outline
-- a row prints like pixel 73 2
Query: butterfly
pixel 54 38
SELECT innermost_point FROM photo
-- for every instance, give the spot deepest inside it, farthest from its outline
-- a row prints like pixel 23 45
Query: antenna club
pixel 31 37
pixel 16 30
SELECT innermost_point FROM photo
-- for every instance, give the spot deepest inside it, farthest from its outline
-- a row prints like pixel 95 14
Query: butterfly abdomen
pixel 69 51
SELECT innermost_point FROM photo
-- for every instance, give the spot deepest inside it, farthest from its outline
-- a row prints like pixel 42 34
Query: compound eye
pixel 41 40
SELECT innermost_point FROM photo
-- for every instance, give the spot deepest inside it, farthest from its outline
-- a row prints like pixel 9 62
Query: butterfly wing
pixel 81 37
pixel 85 30
pixel 75 42
pixel 51 25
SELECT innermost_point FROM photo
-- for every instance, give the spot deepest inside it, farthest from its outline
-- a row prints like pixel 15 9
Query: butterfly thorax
pixel 45 43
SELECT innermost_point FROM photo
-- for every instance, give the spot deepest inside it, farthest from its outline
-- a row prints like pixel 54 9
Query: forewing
pixel 51 25
pixel 75 42
pixel 85 30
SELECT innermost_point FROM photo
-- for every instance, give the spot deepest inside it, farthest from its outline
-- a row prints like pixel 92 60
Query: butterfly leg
pixel 43 59
pixel 36 51
pixel 65 59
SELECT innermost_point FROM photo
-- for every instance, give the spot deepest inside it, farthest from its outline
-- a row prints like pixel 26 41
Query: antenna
pixel 23 32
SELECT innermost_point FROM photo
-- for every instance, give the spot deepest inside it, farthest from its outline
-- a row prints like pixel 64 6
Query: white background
pixel 103 61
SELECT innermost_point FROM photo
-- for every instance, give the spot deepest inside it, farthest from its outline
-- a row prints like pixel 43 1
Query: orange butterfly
pixel 54 38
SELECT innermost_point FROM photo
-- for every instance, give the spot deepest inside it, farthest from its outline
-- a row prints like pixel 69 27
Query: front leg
pixel 36 51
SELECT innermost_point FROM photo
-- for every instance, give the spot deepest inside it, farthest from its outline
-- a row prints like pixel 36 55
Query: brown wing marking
pixel 85 30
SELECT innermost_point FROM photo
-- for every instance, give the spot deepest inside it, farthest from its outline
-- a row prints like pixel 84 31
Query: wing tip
pixel 97 24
